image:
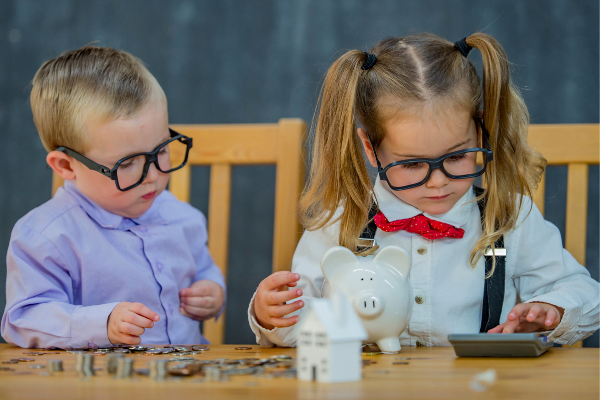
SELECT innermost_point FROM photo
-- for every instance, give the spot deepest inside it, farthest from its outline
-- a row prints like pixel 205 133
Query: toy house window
pixel 321 339
pixel 306 338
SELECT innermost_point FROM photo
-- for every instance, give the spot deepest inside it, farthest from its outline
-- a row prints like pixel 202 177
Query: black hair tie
pixel 371 60
pixel 463 47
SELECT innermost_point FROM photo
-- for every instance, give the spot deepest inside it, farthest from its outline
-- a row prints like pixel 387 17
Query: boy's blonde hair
pixel 86 88
pixel 410 72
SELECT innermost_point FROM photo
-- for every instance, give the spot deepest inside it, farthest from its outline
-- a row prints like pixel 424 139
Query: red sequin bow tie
pixel 420 224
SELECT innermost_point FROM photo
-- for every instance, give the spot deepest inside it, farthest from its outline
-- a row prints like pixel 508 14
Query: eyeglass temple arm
pixel 86 161
pixel 374 152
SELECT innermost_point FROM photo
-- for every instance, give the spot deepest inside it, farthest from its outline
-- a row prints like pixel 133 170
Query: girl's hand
pixel 271 297
pixel 202 300
pixel 128 321
pixel 530 317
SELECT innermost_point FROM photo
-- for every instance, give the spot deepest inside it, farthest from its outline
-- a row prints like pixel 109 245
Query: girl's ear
pixel 367 146
pixel 61 164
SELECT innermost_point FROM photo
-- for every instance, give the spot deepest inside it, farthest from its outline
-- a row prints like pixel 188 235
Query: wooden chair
pixel 222 146
pixel 577 146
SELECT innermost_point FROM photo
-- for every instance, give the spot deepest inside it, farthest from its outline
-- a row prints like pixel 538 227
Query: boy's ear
pixel 61 164
pixel 362 134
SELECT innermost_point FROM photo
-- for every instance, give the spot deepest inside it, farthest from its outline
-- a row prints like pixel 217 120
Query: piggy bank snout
pixel 368 304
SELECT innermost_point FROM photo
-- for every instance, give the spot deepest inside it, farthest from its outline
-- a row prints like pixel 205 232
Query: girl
pixel 425 120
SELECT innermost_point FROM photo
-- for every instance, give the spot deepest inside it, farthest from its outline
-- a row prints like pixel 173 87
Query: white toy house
pixel 330 341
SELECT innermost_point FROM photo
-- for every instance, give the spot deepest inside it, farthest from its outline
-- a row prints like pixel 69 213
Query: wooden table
pixel 570 373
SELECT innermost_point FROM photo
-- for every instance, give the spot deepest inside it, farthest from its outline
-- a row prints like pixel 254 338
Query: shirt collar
pixel 109 220
pixel 394 209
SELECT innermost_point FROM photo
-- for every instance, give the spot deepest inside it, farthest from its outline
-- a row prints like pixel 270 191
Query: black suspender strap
pixel 493 289
pixel 366 240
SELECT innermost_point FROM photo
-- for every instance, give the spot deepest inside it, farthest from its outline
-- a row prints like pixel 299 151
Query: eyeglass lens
pixel 413 173
pixel 169 157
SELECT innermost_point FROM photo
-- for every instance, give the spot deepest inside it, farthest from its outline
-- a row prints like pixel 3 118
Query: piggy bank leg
pixel 389 345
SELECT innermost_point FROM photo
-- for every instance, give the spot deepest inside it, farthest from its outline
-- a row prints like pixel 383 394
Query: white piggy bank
pixel 378 288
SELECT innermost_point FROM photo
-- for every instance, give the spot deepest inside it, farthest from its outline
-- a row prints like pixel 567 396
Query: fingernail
pixel 297 276
pixel 298 292
pixel 300 303
pixel 548 322
pixel 156 317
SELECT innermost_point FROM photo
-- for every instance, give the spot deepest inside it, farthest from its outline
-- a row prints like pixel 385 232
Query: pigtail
pixel 338 177
pixel 517 169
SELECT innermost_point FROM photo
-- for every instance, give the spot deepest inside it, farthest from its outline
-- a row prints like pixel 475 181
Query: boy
pixel 113 257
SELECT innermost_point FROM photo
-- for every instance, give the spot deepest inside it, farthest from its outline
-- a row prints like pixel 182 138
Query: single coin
pixel 10 362
pixel 34 354
pixel 51 352
pixel 200 347
pixel 381 371
pixel 26 359
pixel 6 369
pixel 99 354
pixel 372 353
pixel 243 348
pixel 402 358
pixel 76 352
pixel 400 363
pixel 36 366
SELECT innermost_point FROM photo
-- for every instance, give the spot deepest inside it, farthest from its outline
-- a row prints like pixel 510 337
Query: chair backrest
pixel 577 146
pixel 220 147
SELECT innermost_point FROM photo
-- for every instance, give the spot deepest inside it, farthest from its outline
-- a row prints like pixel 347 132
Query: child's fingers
pixel 280 311
pixel 144 311
pixel 534 312
pixel 552 317
pixel 138 320
pixel 497 329
pixel 273 298
pixel 520 310
pixel 284 322
pixel 202 302
pixel 197 312
pixel 197 291
pixel 510 326
pixel 128 339
pixel 130 329
pixel 281 278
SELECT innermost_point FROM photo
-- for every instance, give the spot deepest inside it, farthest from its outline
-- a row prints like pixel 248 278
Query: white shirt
pixel 537 269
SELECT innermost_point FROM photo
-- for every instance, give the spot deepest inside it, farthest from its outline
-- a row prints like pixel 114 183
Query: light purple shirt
pixel 70 262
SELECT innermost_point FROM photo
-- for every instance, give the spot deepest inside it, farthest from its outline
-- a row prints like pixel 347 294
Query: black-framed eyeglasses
pixel 461 164
pixel 131 171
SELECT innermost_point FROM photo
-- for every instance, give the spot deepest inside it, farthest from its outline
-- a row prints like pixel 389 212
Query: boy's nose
pixel 152 174
pixel 437 179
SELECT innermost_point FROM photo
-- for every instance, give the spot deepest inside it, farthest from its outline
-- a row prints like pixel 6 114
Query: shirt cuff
pixel 566 331
pixel 88 326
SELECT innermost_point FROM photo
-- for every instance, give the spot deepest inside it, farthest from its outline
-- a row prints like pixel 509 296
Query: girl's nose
pixel 437 179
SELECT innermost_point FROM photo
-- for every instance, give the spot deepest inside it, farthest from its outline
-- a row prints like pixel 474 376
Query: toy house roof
pixel 338 318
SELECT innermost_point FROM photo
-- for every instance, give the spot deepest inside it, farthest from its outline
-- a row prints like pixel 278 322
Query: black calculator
pixel 499 344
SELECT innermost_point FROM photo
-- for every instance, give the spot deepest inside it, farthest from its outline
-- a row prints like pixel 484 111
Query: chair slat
pixel 566 143
pixel 179 182
pixel 218 236
pixel 288 184
pixel 538 195
pixel 576 220
pixel 57 182
pixel 232 144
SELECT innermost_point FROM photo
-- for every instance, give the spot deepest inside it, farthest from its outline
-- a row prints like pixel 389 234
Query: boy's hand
pixel 128 321
pixel 271 297
pixel 202 300
pixel 530 317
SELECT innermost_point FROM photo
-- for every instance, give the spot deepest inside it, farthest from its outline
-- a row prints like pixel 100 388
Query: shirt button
pixel 159 267
pixel 422 250
pixel 420 344
pixel 170 308
pixel 142 229
pixel 419 300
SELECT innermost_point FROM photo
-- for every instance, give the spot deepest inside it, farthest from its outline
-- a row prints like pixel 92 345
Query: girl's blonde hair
pixel 85 88
pixel 414 71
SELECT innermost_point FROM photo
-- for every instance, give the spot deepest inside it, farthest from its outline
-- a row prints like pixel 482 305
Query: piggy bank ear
pixel 336 259
pixel 395 257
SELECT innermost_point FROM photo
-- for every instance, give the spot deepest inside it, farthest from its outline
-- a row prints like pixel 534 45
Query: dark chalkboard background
pixel 257 61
